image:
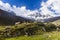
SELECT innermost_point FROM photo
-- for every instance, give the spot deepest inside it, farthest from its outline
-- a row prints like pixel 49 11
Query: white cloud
pixel 5 6
pixel 45 10
pixel 20 11
pixel 53 5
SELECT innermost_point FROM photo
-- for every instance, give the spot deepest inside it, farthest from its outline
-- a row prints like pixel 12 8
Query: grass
pixel 47 36
pixel 38 37
pixel 55 35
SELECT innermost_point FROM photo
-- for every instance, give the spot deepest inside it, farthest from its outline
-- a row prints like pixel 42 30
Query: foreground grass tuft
pixel 47 36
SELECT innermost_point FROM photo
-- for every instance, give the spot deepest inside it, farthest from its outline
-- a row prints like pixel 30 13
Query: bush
pixel 50 27
pixel 27 29
pixel 30 28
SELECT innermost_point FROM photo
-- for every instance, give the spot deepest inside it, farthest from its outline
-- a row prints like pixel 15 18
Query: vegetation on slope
pixel 57 22
pixel 55 35
pixel 27 29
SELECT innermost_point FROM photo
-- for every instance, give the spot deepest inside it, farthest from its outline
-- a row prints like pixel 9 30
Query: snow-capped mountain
pixel 44 18
pixel 10 15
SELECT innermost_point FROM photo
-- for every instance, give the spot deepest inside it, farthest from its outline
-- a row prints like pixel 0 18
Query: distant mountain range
pixel 10 18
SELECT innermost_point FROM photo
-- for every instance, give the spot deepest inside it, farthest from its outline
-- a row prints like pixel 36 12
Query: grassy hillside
pixel 30 31
pixel 55 35
pixel 57 22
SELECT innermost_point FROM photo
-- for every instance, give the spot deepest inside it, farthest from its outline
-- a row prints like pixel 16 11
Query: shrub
pixel 50 27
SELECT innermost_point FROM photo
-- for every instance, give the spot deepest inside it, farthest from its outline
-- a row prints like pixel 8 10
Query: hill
pixel 11 18
pixel 57 22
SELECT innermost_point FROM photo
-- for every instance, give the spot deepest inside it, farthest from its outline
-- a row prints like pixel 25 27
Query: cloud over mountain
pixel 50 8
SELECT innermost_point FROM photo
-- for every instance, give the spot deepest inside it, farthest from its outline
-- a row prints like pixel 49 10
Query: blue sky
pixel 30 4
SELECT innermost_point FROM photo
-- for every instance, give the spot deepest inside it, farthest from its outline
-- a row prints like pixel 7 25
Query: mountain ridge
pixel 11 18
